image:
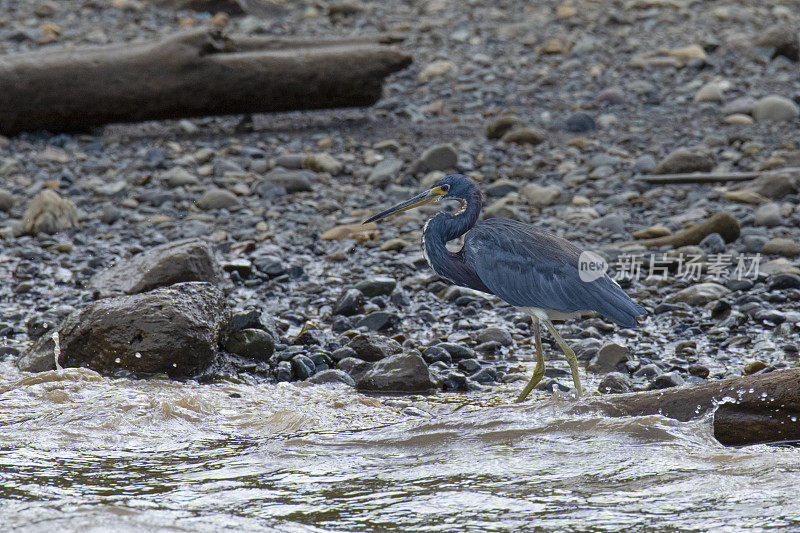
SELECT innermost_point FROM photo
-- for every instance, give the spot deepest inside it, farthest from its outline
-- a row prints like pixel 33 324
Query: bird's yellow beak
pixel 427 197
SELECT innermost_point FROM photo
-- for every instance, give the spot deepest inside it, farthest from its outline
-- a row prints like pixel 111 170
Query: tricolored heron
pixel 531 269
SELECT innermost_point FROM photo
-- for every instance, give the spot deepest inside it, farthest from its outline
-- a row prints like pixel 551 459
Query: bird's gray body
pixel 529 268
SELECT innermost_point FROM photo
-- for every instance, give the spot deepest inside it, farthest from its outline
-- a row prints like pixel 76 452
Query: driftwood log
pixel 196 73
pixel 747 410
pixel 723 223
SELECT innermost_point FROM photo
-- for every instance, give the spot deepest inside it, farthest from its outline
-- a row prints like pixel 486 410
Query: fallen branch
pixel 713 177
pixel 189 74
pixel 723 223
pixel 748 409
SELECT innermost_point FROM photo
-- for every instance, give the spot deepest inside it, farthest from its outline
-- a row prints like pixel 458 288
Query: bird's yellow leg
pixel 571 359
pixel 538 372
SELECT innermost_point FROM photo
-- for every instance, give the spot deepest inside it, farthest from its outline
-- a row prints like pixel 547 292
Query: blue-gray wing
pixel 528 267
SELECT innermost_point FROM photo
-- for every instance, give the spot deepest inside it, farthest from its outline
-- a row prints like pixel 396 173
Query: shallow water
pixel 83 452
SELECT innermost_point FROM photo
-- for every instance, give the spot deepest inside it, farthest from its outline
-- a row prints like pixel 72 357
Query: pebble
pixel 332 376
pixel 739 106
pixel 774 108
pixel 253 343
pixel 580 122
pixel 376 287
pixel 780 246
pixel 179 177
pixel 7 201
pixel 699 294
pixel 502 125
pixel 783 280
pixel 667 380
pixel 49 213
pixel 436 69
pixel 652 232
pixel 373 347
pixel 710 92
pixel 608 357
pixel 322 162
pixel 499 335
pixel 700 371
pixel 439 157
pixel 349 303
pixel 615 383
pixel 544 195
pixel 385 171
pixel 768 215
pixel 378 321
pixel 713 244
pixel 217 199
pixel 403 372
pixel 610 97
pixel 302 367
pixel 684 160
pixel 532 136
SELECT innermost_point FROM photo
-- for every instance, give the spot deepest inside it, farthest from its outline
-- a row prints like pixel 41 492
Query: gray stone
pixel 541 196
pixel 610 97
pixel 782 247
pixel 283 371
pixel 378 321
pixel 498 335
pixel 404 372
pixel 7 201
pixel 353 366
pixel 253 343
pixel 775 108
pixel 768 215
pixel 217 199
pixel 323 162
pixel 385 171
pixel 302 366
pixel 174 262
pixel 754 243
pixel 439 157
pixel 373 347
pixel 615 383
pixel 665 381
pixel 333 376
pixel 609 356
pixel 290 161
pixel 179 177
pixel 532 136
pixel 739 106
pixel 684 160
pixel 49 213
pixel 376 287
pixel 579 122
pixel 699 294
pixel 502 125
pixel 713 244
pixel 349 303
pixel 613 222
pixel 173 330
pixel 293 181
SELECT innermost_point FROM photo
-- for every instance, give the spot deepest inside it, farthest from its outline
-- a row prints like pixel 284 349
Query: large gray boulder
pixel 174 262
pixel 404 372
pixel 173 330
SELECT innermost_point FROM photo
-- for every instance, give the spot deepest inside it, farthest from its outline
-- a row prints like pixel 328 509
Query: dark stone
pixel 585 349
pixel 253 343
pixel 665 381
pixel 173 330
pixel 283 372
pixel 498 335
pixel 699 371
pixel 354 367
pixel 292 181
pixel 349 303
pixel 373 347
pixel 485 375
pixel 332 376
pixel 457 352
pixel 376 287
pixel 269 265
pixel 378 321
pixel 648 371
pixel 343 353
pixel 615 382
pixel 432 354
pixel 302 366
pixel 489 348
pixel 341 324
pixel 783 280
pixel 470 366
pixel 579 122
pixel 174 262
pixel 403 372
pixel 455 381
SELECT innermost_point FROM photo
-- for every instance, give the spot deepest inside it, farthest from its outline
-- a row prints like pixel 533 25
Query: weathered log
pixel 723 223
pixel 748 409
pixel 189 74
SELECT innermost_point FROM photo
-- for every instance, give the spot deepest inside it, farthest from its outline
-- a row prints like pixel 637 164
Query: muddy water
pixel 80 452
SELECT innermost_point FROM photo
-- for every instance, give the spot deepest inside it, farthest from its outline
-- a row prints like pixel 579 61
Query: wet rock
pixel 253 343
pixel 456 382
pixel 667 380
pixel 175 262
pixel 485 375
pixel 609 356
pixel 783 280
pixel 501 187
pixel 754 366
pixel 585 349
pixel 614 383
pixel 470 366
pixel 353 366
pixel 456 351
pixel 7 201
pixel 173 330
pixel 498 335
pixel 700 371
pixel 774 108
pixel 179 177
pixel 349 303
pixel 782 247
pixel 532 136
pixel 699 294
pixel 432 354
pixel 404 372
pixel 302 366
pixel 283 371
pixel 684 160
pixel 49 213
pixel 373 347
pixel 322 162
pixel 379 321
pixel 217 199
pixel 502 125
pixel 332 376
pixel 376 287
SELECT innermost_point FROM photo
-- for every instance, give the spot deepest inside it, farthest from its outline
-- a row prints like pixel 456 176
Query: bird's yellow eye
pixel 445 188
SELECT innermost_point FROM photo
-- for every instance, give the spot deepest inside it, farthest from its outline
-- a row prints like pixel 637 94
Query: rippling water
pixel 82 452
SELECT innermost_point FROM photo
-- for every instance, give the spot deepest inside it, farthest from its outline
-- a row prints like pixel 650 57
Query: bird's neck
pixel 445 227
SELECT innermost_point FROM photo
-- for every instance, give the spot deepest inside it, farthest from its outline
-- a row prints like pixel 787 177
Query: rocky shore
pixel 229 249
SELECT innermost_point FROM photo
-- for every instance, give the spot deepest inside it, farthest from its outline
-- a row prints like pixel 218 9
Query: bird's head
pixel 454 186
